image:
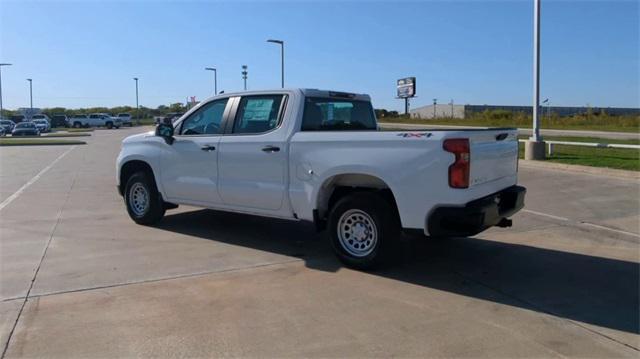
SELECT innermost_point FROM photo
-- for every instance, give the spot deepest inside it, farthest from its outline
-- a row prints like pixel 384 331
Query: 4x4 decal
pixel 415 134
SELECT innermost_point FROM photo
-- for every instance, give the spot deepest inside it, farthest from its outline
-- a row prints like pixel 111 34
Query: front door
pixel 190 164
pixel 253 156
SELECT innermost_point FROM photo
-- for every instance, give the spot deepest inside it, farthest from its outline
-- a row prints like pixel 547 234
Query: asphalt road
pixel 528 131
pixel 79 279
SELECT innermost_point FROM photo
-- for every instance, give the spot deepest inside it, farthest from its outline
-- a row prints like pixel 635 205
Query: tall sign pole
pixel 406 88
pixel 535 147
pixel 536 71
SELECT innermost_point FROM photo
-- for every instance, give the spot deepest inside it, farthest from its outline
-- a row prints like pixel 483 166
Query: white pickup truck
pixel 318 156
pixel 95 120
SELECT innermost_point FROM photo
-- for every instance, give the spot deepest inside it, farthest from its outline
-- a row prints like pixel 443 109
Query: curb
pixel 601 171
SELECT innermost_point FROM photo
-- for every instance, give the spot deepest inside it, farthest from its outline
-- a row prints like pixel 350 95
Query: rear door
pixel 494 155
pixel 253 154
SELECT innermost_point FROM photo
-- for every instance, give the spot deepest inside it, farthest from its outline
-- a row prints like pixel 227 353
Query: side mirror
pixel 165 130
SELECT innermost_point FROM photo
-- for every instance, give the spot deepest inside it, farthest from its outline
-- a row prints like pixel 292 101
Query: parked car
pixel 59 120
pixel 25 129
pixel 318 156
pixel 126 119
pixel 95 120
pixel 7 125
pixel 42 125
pixel 2 132
pixel 17 118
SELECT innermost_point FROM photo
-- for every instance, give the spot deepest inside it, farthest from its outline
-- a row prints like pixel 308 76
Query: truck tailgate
pixel 494 155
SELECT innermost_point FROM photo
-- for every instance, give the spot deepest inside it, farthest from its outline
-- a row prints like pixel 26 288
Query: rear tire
pixel 77 125
pixel 144 202
pixel 364 230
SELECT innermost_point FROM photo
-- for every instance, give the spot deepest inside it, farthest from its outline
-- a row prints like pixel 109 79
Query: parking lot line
pixel 10 199
pixel 582 223
pixel 545 215
pixel 610 229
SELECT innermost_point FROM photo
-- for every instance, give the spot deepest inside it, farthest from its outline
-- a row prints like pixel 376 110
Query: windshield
pixel 42 122
pixel 25 125
pixel 328 114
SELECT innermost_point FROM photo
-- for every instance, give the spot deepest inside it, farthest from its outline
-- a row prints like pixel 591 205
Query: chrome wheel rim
pixel 138 199
pixel 357 233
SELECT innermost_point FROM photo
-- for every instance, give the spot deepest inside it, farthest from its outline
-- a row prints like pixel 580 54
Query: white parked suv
pixel 318 156
pixel 42 121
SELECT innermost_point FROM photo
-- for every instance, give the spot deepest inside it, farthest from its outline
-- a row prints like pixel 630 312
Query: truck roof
pixel 308 92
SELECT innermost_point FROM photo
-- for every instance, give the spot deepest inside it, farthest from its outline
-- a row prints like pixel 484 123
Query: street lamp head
pixel 276 41
pixel 29 80
pixel 135 78
pixel 5 64
pixel 210 68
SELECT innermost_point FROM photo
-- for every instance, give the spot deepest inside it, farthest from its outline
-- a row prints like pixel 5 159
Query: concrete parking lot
pixel 79 279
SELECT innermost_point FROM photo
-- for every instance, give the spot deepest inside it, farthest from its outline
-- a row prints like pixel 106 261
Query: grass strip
pixel 618 158
pixel 57 129
pixel 38 142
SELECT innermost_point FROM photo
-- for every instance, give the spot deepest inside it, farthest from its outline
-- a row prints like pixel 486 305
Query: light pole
pixel 137 105
pixel 281 43
pixel 244 76
pixel 215 79
pixel 30 97
pixel 546 101
pixel 435 102
pixel 1 86
pixel 534 147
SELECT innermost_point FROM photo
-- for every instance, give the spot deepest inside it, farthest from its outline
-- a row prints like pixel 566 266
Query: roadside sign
pixel 406 87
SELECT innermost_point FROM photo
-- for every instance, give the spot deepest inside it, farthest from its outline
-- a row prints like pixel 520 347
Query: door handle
pixel 271 149
pixel 208 148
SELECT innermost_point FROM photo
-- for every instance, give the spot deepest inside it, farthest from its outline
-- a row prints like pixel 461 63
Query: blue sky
pixel 83 54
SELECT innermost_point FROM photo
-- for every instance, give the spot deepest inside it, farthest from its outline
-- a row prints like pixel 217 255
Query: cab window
pixel 206 121
pixel 258 114
pixel 327 114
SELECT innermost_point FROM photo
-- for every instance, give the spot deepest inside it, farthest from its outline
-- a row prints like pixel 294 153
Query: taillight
pixel 459 170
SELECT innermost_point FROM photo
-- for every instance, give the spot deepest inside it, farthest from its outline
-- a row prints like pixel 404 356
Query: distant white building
pixel 445 111
pixel 438 111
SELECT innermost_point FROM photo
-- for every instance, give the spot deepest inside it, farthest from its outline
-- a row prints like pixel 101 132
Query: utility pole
pixel 137 104
pixel 534 147
pixel 30 97
pixel 406 105
pixel 215 79
pixel 244 76
pixel 435 102
pixel 281 43
pixel 451 103
pixel 1 87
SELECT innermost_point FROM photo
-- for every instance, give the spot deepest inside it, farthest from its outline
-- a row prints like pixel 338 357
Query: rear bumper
pixel 478 215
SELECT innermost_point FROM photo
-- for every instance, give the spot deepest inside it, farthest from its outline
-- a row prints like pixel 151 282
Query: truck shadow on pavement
pixel 583 288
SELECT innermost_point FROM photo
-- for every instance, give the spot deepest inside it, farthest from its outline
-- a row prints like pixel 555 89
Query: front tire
pixel 109 125
pixel 143 201
pixel 364 230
